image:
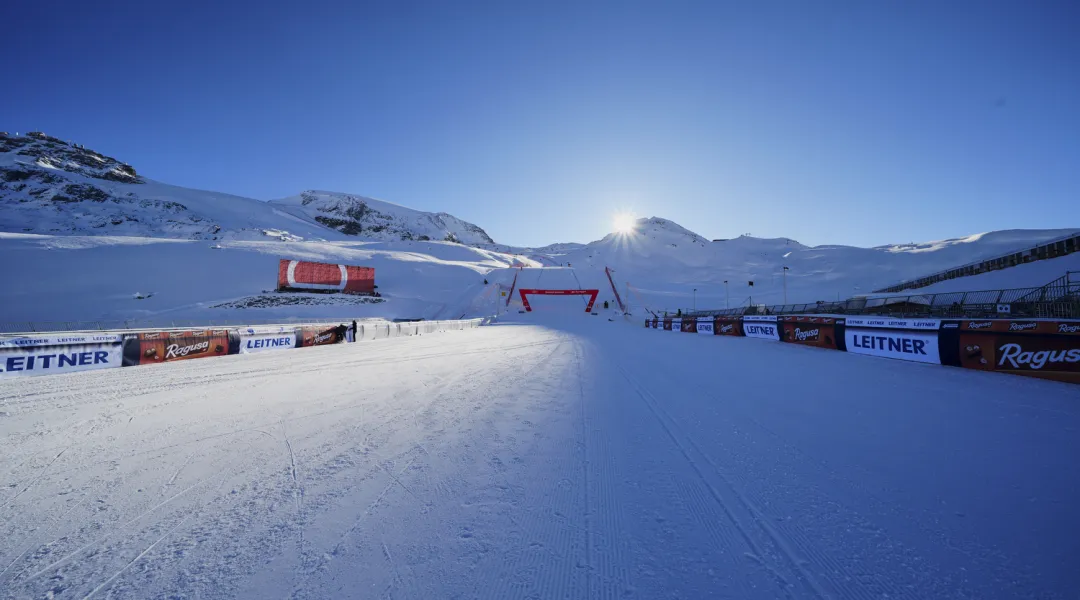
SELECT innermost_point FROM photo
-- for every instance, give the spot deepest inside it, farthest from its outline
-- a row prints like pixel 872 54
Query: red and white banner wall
pixel 306 276
pixel 54 353
pixel 1047 349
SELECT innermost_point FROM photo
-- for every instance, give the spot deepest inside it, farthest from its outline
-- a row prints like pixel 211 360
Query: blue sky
pixel 828 122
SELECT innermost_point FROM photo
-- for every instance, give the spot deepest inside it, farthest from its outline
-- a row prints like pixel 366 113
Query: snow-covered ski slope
pixel 98 277
pixel 545 457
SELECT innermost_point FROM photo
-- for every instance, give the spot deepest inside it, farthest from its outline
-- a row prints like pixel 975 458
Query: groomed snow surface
pixel 558 456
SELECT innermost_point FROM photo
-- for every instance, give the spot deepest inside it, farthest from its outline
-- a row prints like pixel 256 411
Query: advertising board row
pixel 47 354
pixel 1036 348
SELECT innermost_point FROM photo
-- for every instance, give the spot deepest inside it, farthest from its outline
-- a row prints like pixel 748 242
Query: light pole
pixel 785 284
pixel 727 296
pixel 695 299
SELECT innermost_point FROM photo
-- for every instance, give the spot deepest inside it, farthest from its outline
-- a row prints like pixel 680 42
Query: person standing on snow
pixel 353 331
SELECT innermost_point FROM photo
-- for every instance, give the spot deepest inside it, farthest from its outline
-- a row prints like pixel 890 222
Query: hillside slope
pixel 160 280
pixel 666 263
pixel 372 219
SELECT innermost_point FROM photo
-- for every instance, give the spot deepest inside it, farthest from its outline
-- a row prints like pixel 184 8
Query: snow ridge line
pixel 785 548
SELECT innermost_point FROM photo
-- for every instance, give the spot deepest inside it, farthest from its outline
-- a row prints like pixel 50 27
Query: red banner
pixel 812 331
pixel 319 335
pixel 167 346
pixel 728 326
pixel 304 276
pixel 1044 349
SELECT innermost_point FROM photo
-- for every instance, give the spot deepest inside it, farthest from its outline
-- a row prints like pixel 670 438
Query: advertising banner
pixel 822 332
pixel 887 323
pixel 1044 349
pixel 267 339
pixel 728 326
pixel 761 326
pixel 705 325
pixel 59 353
pixel 667 324
pixel 319 335
pixel 60 339
pixel 154 347
pixel 903 339
pixel 655 323
pixel 305 276
pixel 689 325
pixel 676 324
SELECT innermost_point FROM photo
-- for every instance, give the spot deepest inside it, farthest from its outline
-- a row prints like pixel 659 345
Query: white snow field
pixel 556 455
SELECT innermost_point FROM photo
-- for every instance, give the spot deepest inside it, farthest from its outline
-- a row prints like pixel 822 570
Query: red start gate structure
pixel 590 293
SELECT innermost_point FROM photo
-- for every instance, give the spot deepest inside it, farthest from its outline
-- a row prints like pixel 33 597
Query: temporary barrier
pixel 304 276
pixel 689 325
pixel 152 347
pixel 904 339
pixel 761 326
pixel 705 325
pixel 592 294
pixel 728 326
pixel 64 353
pixel 265 339
pixel 1045 349
pixel 43 354
pixel 823 332
pixel 319 335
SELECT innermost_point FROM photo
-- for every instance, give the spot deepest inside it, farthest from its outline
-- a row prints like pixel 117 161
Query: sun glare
pixel 624 223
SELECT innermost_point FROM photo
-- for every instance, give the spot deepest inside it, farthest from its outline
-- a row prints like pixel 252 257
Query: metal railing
pixel 1058 299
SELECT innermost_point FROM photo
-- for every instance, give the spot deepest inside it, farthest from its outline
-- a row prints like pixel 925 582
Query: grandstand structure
pixel 1046 250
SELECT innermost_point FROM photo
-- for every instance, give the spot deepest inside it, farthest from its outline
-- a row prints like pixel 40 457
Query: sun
pixel 624 223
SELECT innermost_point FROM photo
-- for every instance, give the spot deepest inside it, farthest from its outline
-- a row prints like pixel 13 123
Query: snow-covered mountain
pixel 373 219
pixel 50 186
pixel 670 267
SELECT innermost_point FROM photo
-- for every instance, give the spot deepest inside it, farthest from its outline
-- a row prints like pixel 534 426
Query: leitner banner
pixel 58 353
pixel 266 339
pixel 154 347
pixel 705 325
pixel 1044 349
pixel 904 339
pixel 761 326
